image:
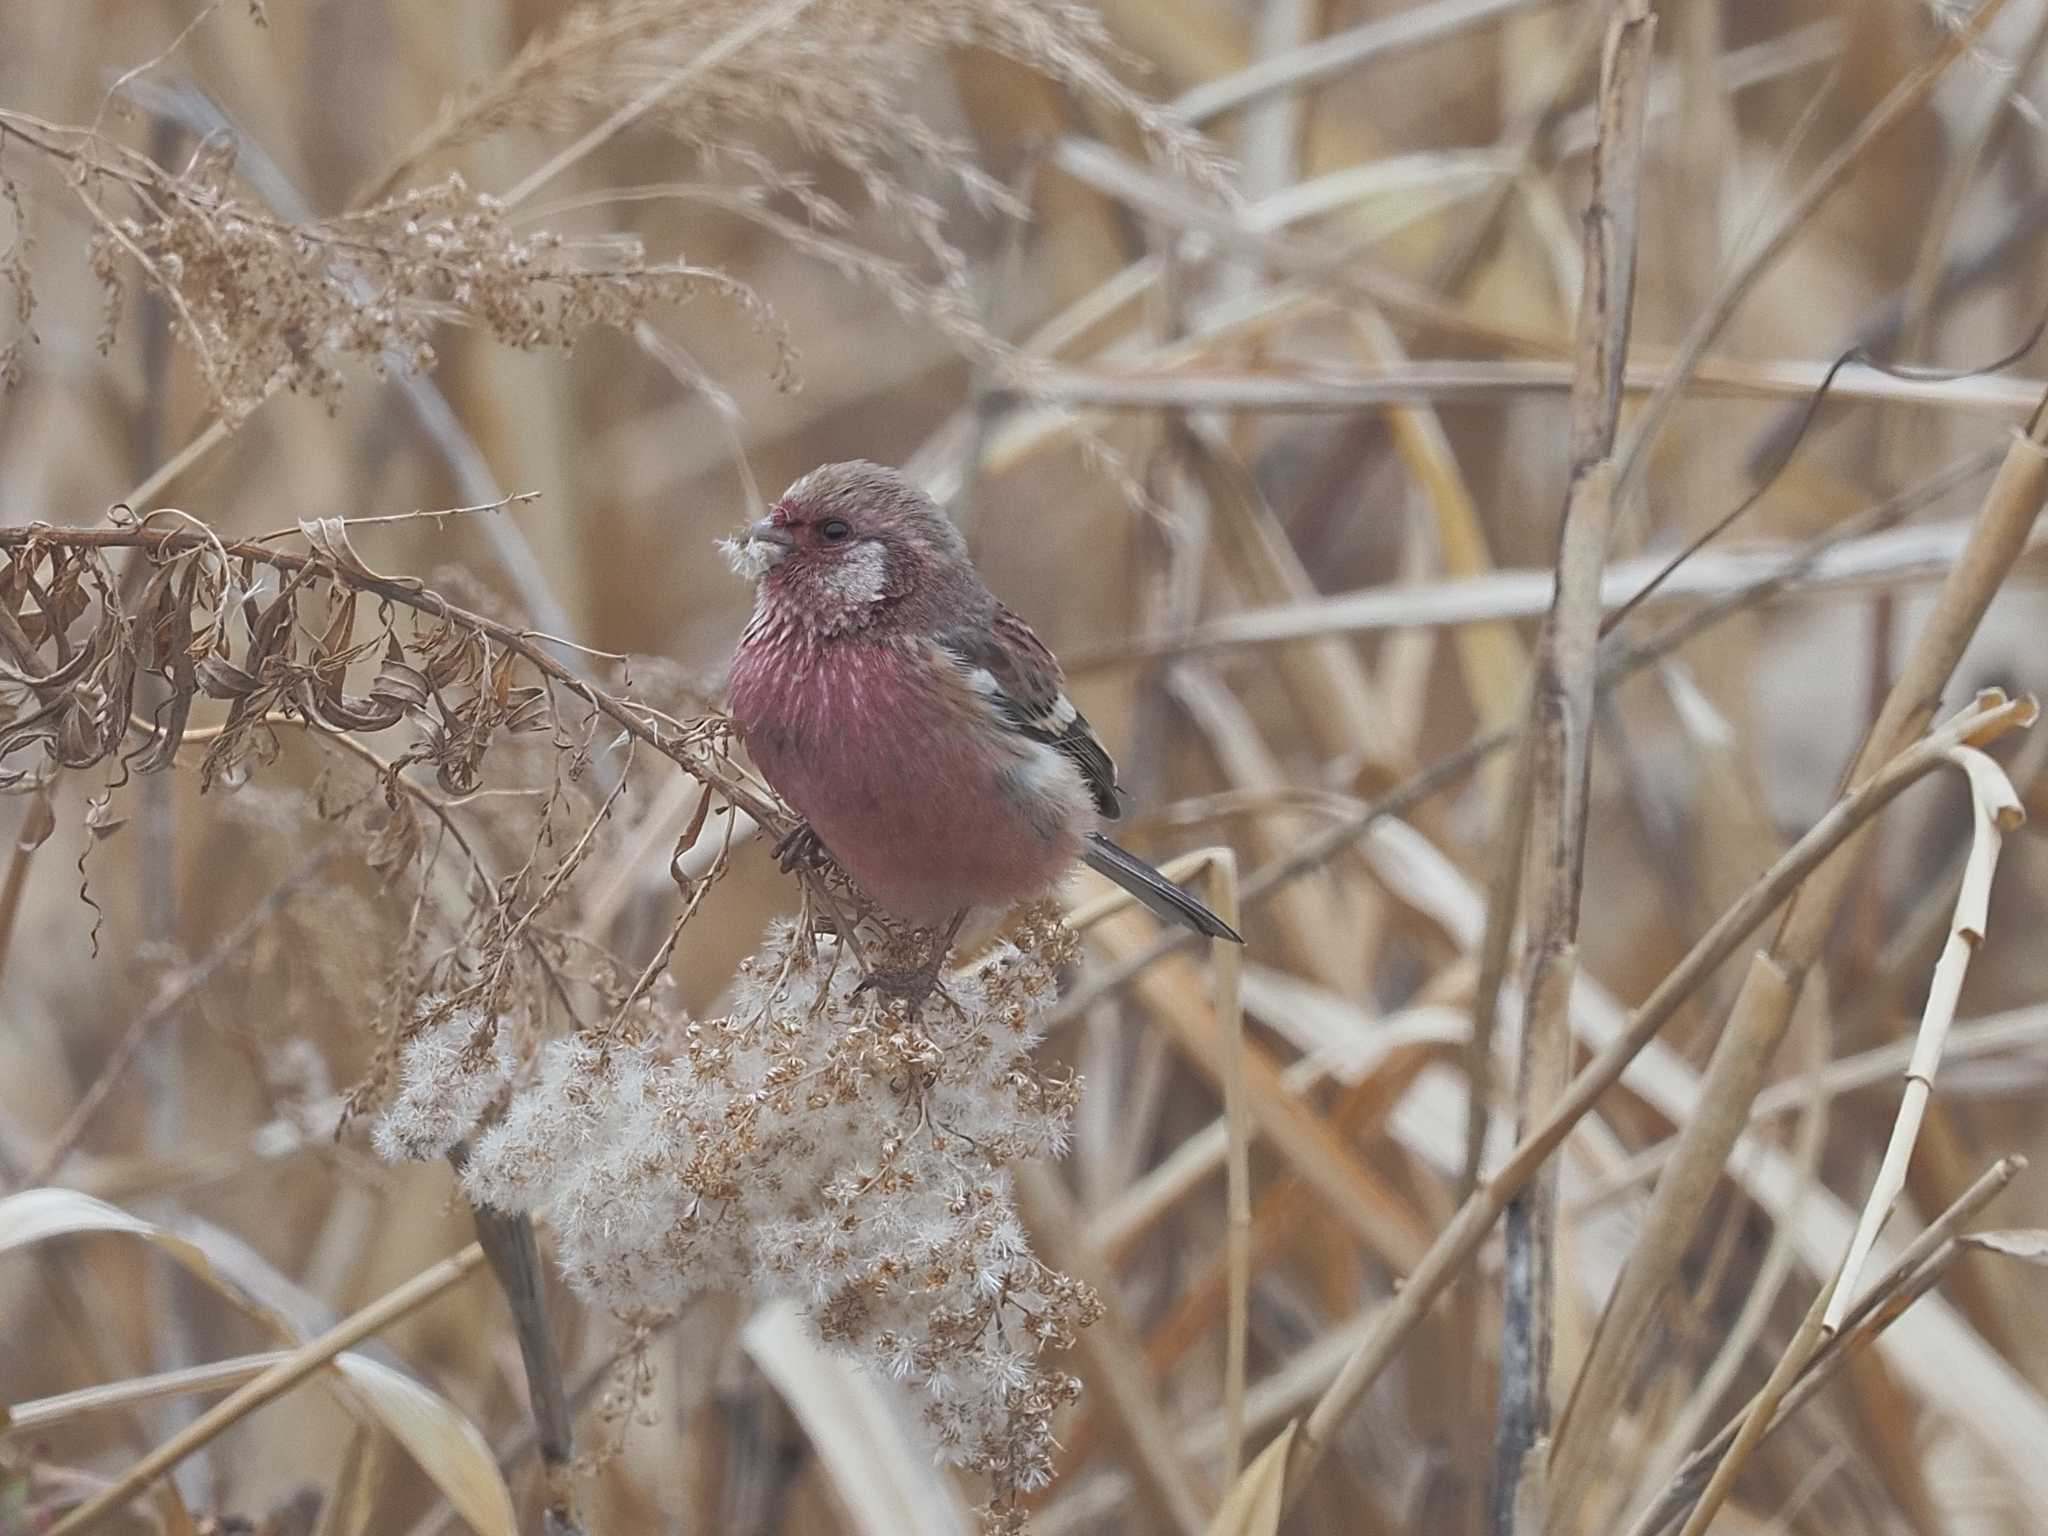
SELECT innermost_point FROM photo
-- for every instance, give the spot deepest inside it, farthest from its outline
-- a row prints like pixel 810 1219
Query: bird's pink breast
pixel 899 771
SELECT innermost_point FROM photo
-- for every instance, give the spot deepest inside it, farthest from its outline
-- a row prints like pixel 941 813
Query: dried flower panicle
pixel 819 1145
pixel 268 303
pixel 450 1071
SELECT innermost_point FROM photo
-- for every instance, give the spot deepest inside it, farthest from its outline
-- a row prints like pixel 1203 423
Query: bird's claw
pixel 799 849
pixel 915 984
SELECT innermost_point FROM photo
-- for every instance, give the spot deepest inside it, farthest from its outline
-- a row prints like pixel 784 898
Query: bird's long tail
pixel 1165 899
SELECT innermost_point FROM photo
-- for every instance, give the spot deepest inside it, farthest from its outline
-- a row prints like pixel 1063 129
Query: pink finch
pixel 917 725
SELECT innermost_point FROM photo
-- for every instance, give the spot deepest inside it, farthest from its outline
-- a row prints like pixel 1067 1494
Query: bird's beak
pixel 778 540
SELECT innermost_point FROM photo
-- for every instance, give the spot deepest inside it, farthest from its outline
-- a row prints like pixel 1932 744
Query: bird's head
pixel 849 544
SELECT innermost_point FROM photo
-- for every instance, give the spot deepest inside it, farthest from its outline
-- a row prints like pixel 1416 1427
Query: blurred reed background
pixel 1272 445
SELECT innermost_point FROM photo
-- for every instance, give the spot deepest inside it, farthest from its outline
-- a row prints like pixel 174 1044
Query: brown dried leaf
pixel 399 681
pixel 329 538
pixel 224 680
pixel 527 710
pixel 395 836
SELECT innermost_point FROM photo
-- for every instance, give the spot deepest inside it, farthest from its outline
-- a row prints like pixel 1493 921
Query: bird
pixel 920 728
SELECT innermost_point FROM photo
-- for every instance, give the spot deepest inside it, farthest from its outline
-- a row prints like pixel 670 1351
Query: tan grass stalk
pixel 1883 1301
pixel 1763 1009
pixel 1354 1194
pixel 1186 379
pixel 1904 99
pixel 1228 966
pixel 1458 1241
pixel 1558 757
pixel 1311 63
pixel 1763 1407
pixel 1996 810
pixel 274 1382
pixel 1114 1362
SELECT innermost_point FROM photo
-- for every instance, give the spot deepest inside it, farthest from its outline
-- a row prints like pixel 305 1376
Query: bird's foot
pixel 915 984
pixel 800 849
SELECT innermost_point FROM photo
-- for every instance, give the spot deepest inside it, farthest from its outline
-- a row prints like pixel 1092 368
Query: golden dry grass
pixel 1247 343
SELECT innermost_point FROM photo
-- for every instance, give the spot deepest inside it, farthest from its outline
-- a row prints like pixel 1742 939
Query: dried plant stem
pixel 162 543
pixel 1771 1272
pixel 146 1023
pixel 1559 754
pixel 275 1382
pixel 1997 811
pixel 1115 1362
pixel 1461 1238
pixel 759 24
pixel 1762 1409
pixel 509 1244
pixel 1311 63
pixel 1227 966
pixel 1763 1008
pixel 38 821
pixel 1496 945
pixel 1307 1143
pixel 1904 99
pixel 1898 1284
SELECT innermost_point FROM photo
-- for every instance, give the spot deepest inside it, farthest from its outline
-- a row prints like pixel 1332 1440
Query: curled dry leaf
pixel 2029 1244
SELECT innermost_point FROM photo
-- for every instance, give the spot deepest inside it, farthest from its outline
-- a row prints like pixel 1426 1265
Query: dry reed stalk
pixel 1996 811
pixel 274 1382
pixel 1771 987
pixel 1116 1363
pixel 1491 655
pixel 1457 1242
pixel 1889 114
pixel 1353 1194
pixel 1763 1408
pixel 1227 965
pixel 1917 1268
pixel 1559 761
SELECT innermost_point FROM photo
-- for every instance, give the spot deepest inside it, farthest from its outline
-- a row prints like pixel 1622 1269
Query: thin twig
pixel 145 1024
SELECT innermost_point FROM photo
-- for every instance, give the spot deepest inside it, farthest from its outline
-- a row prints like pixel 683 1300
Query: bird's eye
pixel 835 529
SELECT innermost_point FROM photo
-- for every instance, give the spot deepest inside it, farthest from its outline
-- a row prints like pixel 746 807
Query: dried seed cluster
pixel 810 1143
pixel 266 303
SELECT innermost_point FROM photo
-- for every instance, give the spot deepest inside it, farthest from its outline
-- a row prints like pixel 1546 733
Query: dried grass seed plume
pixel 266 303
pixel 836 76
pixel 810 1143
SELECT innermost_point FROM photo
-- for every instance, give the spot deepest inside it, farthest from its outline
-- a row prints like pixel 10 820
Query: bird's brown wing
pixel 1022 679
